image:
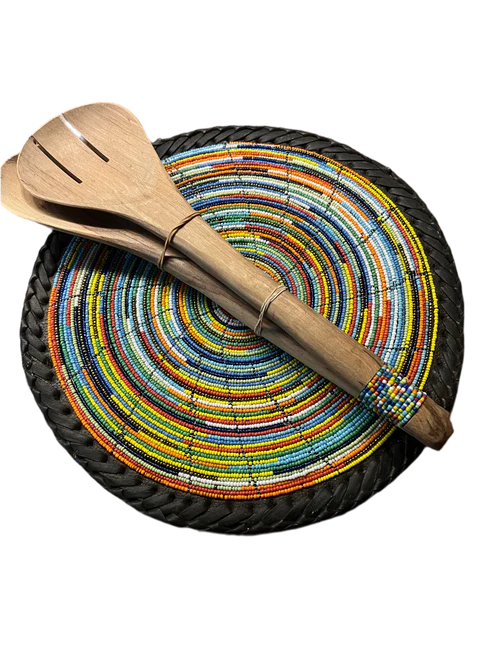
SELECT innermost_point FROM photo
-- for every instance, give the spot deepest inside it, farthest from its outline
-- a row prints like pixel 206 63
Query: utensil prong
pixel 85 141
pixel 55 161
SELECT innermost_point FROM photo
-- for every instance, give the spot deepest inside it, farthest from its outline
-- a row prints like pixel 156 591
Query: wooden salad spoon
pixel 98 157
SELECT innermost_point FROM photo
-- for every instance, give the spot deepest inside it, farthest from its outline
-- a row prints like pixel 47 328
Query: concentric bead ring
pixel 183 393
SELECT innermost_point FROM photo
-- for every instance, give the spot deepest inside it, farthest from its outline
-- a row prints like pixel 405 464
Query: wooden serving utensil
pixel 98 157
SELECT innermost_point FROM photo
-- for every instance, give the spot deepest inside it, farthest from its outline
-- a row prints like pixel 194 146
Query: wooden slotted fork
pixel 98 157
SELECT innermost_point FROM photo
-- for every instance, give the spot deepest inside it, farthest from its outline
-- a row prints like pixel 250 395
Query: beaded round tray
pixel 178 408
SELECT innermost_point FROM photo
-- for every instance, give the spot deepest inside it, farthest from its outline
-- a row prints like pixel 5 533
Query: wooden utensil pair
pixel 98 157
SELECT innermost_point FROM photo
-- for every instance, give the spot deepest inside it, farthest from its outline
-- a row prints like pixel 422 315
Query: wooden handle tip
pixel 431 425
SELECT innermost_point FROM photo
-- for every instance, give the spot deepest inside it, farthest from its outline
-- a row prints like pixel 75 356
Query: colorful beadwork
pixel 181 392
pixel 391 394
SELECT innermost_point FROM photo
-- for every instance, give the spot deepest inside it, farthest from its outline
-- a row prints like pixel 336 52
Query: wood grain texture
pixel 431 425
pixel 59 167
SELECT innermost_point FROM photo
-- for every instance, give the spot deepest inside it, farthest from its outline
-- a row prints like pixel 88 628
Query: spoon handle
pixel 345 362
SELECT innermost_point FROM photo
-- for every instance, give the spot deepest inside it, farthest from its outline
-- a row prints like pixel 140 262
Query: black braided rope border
pixel 324 500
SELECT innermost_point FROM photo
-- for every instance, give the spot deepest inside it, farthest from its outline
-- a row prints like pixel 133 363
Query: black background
pixel 440 499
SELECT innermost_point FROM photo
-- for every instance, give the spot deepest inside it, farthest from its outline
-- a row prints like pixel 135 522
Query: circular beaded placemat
pixel 186 398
